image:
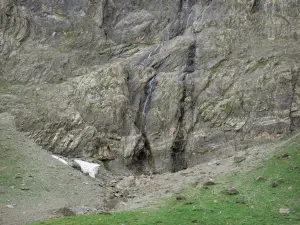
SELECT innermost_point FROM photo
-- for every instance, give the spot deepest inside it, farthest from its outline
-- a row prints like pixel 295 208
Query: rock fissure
pixel 178 156
pixel 178 146
pixel 294 85
pixel 255 6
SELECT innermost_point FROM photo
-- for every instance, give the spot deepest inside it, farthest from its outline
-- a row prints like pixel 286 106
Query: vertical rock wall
pixel 150 86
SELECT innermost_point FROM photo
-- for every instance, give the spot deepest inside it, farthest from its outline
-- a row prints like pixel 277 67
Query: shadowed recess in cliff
pixel 142 161
pixel 294 116
pixel 178 146
pixel 178 157
pixel 255 6
pixel 190 63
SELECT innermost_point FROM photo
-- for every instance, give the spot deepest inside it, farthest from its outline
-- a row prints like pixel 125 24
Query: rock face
pixel 150 85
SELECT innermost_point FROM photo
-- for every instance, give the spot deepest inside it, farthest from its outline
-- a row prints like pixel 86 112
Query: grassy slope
pixel 260 201
pixel 9 170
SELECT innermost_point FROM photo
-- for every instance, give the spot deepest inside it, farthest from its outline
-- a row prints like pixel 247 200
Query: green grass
pixel 257 204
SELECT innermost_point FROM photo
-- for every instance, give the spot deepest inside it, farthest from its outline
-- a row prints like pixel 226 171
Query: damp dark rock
pixel 180 198
pixel 231 191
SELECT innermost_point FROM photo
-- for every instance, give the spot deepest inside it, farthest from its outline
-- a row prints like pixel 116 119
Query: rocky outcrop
pixel 150 86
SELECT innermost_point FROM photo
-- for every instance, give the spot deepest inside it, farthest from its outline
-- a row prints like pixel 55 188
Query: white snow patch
pixel 90 168
pixel 60 159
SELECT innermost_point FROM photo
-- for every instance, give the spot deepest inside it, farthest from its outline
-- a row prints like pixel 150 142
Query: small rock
pixel 280 181
pixel 231 191
pixel 125 183
pixel 180 198
pixel 117 195
pixel 215 162
pixel 209 182
pixel 260 179
pixel 125 193
pixel 195 183
pixel 112 203
pixel 10 206
pixel 75 165
pixel 189 203
pixel 24 189
pixel 274 184
pixel 292 168
pixel 18 177
pixel 123 203
pixel 184 174
pixel 241 201
pixel 239 159
pixel 65 212
pixel 132 196
pixel 104 212
pixel 284 211
pixel 285 155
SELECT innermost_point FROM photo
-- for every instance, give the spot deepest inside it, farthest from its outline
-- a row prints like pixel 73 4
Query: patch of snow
pixel 60 159
pixel 90 168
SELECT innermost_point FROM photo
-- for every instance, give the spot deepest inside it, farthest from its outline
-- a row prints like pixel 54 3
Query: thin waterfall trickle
pixel 142 160
pixel 181 22
pixel 154 51
pixel 146 107
pixel 185 15
pixel 188 20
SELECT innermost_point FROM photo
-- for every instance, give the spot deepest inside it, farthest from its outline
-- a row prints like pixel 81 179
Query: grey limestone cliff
pixel 150 85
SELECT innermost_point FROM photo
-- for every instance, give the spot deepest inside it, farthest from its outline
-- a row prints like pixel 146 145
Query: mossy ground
pixel 257 202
